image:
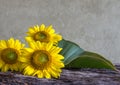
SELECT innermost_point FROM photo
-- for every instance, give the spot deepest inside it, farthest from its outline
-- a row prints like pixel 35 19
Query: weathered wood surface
pixel 68 77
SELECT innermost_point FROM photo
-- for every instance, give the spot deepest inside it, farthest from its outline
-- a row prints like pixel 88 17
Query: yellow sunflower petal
pixel 10 42
pixel 47 75
pixel 53 73
pixel 3 44
pixel 30 71
pixel 27 70
pixel 50 29
pixel 5 68
pixel 59 64
pixel 36 28
pixel 1 63
pixel 29 39
pixel 18 45
pixel 11 67
pixel 40 75
pixel 39 45
pixel 59 56
pixel 28 50
pixel 57 37
pixel 31 30
pixel 42 27
pixel 56 50
pixel 23 59
pixel 15 67
pixel 55 68
pixel 32 45
pixel 36 73
pixel 49 46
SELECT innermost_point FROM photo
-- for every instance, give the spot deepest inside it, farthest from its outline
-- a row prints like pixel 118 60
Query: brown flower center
pixel 41 36
pixel 40 59
pixel 9 55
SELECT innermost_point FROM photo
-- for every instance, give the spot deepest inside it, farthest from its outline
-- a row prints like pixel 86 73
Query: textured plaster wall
pixel 93 24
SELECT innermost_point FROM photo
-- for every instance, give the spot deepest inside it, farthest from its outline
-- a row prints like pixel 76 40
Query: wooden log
pixel 68 77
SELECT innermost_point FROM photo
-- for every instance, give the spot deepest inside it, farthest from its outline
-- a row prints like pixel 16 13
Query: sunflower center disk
pixel 41 36
pixel 40 58
pixel 9 55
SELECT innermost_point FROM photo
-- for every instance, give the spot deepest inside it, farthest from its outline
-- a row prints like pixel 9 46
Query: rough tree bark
pixel 68 77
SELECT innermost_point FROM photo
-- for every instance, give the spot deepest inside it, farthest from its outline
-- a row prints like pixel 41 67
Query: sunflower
pixel 43 34
pixel 10 51
pixel 42 60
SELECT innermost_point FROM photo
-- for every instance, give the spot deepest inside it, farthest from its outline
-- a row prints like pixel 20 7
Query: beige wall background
pixel 93 24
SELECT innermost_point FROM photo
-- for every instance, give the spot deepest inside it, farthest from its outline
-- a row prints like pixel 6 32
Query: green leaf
pixel 90 60
pixel 70 51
